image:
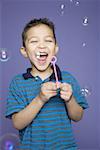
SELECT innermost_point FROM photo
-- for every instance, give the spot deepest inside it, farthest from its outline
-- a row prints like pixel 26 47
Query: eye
pixel 49 41
pixel 33 41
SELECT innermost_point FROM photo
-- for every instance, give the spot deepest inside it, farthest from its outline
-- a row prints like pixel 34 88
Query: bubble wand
pixel 53 62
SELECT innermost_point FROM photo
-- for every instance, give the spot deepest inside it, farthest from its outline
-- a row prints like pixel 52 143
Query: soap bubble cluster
pixel 9 141
pixel 85 91
pixel 83 44
pixel 85 21
pixel 62 9
pixel 77 3
pixel 4 55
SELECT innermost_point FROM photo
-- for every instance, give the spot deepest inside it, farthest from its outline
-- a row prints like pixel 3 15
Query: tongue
pixel 42 58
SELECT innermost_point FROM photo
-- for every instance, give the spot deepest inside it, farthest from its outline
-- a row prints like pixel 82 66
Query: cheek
pixel 53 52
pixel 30 47
pixel 31 54
pixel 52 49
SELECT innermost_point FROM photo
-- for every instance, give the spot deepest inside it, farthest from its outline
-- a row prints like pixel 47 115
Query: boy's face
pixel 40 46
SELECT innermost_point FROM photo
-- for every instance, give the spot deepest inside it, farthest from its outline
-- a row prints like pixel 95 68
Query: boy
pixel 40 110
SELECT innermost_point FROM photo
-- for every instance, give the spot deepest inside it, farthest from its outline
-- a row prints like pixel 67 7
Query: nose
pixel 41 45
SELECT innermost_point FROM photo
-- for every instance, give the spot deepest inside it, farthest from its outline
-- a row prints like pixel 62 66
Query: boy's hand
pixel 65 91
pixel 48 90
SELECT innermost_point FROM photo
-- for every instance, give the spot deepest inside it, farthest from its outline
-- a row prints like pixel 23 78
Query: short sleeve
pixel 15 101
pixel 80 98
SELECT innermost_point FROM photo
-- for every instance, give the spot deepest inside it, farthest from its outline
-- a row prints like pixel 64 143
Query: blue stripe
pixel 54 143
pixel 50 141
pixel 15 107
pixel 50 128
pixel 53 113
pixel 52 123
pixel 53 134
pixel 29 85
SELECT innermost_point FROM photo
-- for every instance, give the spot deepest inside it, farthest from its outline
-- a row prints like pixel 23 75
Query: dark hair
pixel 35 22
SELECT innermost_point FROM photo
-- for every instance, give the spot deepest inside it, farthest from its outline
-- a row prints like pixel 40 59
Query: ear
pixel 56 49
pixel 23 52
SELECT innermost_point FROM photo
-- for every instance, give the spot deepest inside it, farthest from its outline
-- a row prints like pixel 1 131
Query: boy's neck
pixel 42 74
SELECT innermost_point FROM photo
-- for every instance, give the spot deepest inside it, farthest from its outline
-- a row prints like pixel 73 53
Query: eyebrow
pixel 32 37
pixel 48 36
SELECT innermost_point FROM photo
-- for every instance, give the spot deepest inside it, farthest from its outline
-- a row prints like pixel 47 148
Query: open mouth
pixel 41 57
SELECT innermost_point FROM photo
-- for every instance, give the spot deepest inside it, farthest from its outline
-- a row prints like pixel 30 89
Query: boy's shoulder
pixel 66 74
pixel 18 77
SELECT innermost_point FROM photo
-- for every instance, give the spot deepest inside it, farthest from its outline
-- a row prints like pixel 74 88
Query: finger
pixel 49 92
pixel 58 84
pixel 52 92
pixel 65 97
pixel 68 94
pixel 63 86
pixel 52 86
pixel 66 88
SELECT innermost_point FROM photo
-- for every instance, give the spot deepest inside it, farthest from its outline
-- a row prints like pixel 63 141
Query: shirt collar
pixel 28 74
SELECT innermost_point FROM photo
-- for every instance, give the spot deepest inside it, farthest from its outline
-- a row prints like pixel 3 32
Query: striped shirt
pixel 51 129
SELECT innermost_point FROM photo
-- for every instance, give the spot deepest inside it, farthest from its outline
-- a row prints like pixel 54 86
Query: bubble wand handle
pixel 53 61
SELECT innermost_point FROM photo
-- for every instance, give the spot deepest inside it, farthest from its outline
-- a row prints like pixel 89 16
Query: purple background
pixel 82 61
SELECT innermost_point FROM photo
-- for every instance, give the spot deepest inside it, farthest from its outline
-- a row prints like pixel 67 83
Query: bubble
pixel 85 91
pixel 71 1
pixel 9 145
pixel 83 44
pixel 4 55
pixel 85 21
pixel 62 12
pixel 9 141
pixel 62 8
pixel 77 3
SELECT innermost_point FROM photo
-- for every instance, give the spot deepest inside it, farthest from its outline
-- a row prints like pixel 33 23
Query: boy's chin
pixel 42 68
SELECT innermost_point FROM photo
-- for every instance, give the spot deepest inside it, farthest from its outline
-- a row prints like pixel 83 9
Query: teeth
pixel 38 55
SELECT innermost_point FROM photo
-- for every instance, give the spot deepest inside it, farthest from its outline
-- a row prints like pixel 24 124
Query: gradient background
pixel 81 61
